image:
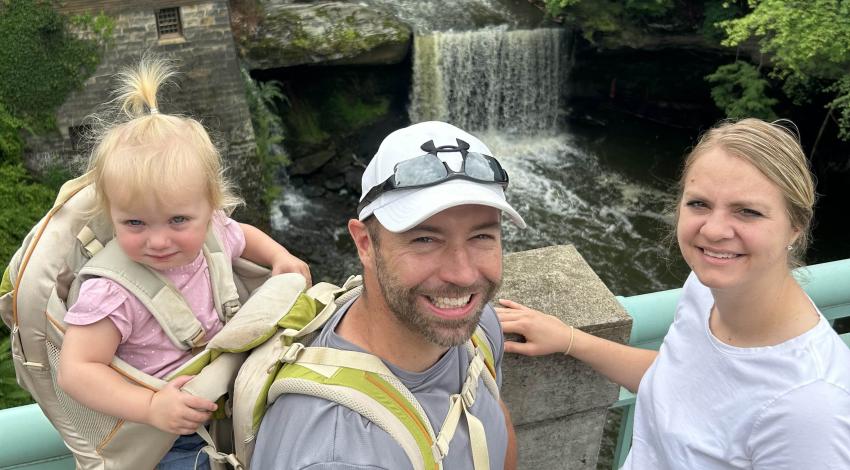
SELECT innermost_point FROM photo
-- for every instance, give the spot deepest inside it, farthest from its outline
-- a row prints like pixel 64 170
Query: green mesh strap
pixel 377 388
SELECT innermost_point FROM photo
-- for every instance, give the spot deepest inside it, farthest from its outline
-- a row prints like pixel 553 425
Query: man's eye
pixel 484 236
pixel 423 240
pixel 695 203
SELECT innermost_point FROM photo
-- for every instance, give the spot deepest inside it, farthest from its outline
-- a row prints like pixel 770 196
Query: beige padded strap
pixel 225 293
pixel 156 294
pixel 336 358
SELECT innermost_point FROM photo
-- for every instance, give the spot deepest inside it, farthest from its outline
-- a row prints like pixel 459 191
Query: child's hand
pixel 175 411
pixel 544 334
pixel 285 262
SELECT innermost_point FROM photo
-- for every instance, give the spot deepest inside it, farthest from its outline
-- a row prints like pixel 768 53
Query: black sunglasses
pixel 429 170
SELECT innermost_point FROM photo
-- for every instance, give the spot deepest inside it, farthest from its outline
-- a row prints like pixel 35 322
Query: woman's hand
pixel 544 334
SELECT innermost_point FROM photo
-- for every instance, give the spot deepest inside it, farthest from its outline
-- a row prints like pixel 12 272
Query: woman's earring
pixel 790 247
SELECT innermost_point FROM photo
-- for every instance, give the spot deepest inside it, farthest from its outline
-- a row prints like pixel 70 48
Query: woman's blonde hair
pixel 145 152
pixel 776 152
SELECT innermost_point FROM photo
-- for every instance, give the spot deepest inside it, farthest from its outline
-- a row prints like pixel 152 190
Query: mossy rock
pixel 332 33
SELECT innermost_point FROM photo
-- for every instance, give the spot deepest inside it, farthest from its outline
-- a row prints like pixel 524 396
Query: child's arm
pixel 84 374
pixel 262 249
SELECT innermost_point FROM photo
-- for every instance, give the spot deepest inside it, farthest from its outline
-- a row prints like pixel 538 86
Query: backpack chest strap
pixel 162 300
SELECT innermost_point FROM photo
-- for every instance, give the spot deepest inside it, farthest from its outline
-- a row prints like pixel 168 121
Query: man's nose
pixel 459 268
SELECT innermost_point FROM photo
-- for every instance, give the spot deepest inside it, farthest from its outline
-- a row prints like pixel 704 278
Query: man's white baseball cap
pixel 400 210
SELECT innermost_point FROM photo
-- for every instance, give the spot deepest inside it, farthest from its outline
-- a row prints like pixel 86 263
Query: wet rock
pixel 324 32
pixel 314 191
pixel 335 184
pixel 311 162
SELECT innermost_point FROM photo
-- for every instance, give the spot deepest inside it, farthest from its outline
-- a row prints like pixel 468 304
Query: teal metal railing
pixel 28 441
pixel 828 285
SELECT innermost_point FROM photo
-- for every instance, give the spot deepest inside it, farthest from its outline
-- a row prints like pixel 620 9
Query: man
pixel 428 235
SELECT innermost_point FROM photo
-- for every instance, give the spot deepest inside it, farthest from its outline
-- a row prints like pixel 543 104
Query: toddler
pixel 159 179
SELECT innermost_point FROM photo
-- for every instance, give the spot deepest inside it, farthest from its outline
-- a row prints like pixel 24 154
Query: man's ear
pixel 362 240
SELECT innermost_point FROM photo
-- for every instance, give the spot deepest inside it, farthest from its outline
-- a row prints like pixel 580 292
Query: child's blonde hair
pixel 147 152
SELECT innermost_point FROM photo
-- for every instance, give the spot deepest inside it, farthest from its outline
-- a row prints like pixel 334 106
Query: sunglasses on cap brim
pixel 428 170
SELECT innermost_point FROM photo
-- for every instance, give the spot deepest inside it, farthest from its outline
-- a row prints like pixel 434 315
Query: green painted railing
pixel 28 441
pixel 828 285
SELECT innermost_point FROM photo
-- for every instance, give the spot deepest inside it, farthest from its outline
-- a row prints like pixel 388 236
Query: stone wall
pixel 209 88
pixel 557 403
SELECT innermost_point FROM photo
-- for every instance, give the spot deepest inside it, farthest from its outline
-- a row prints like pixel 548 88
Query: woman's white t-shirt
pixel 706 405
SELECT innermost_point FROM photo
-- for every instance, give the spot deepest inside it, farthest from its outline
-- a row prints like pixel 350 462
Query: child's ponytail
pixel 138 86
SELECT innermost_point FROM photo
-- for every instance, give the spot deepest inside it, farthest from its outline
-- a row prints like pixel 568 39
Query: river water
pixel 602 186
pixel 601 189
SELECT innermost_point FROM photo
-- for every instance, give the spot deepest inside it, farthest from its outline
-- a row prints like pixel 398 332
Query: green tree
pixel 45 56
pixel 740 91
pixel 806 47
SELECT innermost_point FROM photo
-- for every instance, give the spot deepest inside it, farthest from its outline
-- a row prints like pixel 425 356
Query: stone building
pixel 197 35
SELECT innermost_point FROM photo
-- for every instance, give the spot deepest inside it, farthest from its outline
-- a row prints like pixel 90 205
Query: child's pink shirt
pixel 144 344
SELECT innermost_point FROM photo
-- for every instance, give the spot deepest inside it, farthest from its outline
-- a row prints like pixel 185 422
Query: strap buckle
pixel 440 449
pixel 292 352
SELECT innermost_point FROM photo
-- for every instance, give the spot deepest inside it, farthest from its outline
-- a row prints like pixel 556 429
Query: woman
pixel 750 374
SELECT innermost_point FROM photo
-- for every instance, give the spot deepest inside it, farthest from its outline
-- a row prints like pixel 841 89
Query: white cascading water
pixel 490 79
pixel 507 87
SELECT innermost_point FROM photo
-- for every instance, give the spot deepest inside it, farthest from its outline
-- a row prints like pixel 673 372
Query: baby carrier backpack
pixel 43 280
pixel 276 325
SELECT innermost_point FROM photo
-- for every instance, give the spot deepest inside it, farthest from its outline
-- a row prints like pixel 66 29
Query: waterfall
pixel 490 79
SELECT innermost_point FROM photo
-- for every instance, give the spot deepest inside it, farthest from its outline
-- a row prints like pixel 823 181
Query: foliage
pixel 350 111
pixel 841 104
pixel 740 91
pixel 608 17
pixel 48 60
pixel 268 129
pixel 22 203
pixel 806 44
pixel 11 143
pixel 716 12
pixel 304 122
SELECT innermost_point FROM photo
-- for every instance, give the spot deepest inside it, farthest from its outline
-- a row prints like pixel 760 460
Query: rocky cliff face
pixel 331 33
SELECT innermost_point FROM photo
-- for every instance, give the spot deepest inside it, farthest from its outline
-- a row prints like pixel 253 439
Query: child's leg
pixel 183 454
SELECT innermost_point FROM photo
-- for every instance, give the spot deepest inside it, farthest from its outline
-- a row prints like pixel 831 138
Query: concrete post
pixel 558 404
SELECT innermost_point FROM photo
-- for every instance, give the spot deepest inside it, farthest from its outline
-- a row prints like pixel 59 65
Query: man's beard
pixel 440 331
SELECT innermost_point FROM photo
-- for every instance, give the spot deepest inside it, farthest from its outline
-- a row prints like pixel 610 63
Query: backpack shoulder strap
pixel 157 295
pixel 479 342
pixel 225 293
pixel 362 383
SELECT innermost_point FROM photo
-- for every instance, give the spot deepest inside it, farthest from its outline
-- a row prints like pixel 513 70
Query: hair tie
pixel 153 110
pixel 572 336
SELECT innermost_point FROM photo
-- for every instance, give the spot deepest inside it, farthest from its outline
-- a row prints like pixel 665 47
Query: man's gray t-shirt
pixel 305 432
